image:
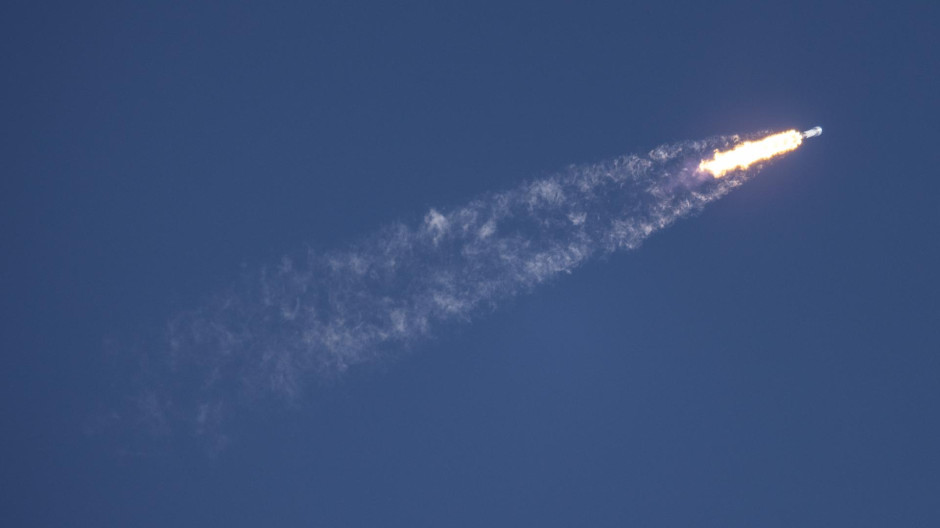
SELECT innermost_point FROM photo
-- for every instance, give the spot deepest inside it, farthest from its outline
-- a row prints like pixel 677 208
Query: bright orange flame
pixel 744 154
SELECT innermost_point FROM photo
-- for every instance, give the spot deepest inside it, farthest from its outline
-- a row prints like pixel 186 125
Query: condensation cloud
pixel 315 315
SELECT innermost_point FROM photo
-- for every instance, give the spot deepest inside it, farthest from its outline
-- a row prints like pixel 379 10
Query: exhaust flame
pixel 749 152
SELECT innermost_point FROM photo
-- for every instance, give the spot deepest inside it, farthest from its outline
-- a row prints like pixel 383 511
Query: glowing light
pixel 745 154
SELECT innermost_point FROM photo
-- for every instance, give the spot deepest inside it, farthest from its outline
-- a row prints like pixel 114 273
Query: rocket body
pixel 813 132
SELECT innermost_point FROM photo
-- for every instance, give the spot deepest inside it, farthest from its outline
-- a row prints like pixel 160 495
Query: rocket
pixel 813 132
pixel 744 154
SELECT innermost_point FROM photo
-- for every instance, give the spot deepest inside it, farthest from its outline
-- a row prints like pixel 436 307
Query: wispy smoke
pixel 314 316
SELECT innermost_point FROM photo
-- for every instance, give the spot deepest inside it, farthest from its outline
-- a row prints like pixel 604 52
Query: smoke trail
pixel 315 316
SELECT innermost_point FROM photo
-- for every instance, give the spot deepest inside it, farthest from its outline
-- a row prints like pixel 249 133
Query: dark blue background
pixel 771 362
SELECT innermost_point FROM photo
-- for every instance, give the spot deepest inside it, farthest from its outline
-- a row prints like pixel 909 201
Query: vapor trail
pixel 291 324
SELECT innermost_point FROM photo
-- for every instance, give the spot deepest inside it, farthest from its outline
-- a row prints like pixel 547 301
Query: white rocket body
pixel 813 132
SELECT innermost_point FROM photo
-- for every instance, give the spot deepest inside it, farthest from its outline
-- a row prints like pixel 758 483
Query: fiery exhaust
pixel 749 152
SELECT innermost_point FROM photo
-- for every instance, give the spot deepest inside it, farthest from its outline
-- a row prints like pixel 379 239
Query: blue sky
pixel 769 361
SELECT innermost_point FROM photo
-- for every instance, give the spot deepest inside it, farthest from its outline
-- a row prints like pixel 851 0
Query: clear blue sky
pixel 773 361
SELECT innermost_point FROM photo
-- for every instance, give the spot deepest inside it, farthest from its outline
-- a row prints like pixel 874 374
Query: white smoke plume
pixel 305 319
